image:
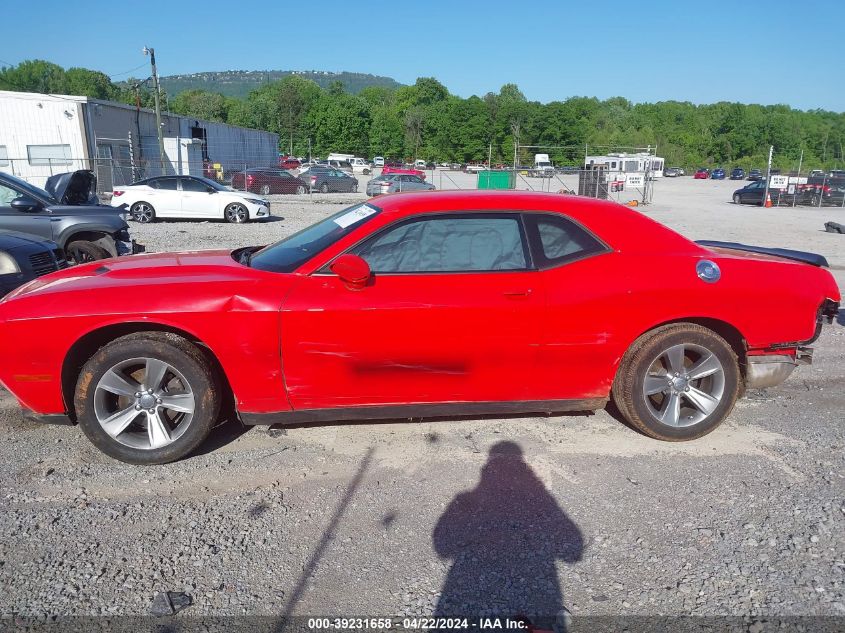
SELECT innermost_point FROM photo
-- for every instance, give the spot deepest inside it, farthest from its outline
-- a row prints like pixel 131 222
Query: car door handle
pixel 519 294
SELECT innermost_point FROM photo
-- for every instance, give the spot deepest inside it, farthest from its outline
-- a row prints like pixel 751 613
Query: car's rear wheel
pixel 142 212
pixel 265 190
pixel 300 190
pixel 737 199
pixel 147 398
pixel 83 252
pixel 678 382
pixel 324 188
pixel 236 213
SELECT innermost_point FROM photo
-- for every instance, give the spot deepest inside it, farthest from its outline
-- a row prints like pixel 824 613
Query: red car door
pixel 452 313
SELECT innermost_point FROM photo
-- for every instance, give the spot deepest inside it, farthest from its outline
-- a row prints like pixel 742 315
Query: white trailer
pixel 619 166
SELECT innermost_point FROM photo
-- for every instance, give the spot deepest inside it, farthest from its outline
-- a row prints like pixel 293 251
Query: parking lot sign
pixel 778 181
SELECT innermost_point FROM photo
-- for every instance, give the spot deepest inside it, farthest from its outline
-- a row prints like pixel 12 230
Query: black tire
pixel 173 350
pixel 366 172
pixel 324 188
pixel 236 213
pixel 638 409
pixel 142 212
pixel 265 190
pixel 737 199
pixel 300 190
pixel 83 252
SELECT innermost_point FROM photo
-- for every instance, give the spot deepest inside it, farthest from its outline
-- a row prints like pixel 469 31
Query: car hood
pixel 73 188
pixel 13 239
pixel 140 270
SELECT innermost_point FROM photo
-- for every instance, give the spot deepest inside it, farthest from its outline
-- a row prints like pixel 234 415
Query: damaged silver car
pixel 67 212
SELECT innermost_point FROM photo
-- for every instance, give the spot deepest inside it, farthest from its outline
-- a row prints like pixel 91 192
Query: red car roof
pixel 622 227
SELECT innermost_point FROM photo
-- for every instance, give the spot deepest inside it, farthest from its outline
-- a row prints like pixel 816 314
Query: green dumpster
pixel 498 179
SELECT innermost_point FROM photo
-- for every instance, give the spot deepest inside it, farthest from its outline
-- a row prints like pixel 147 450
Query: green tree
pixel 201 104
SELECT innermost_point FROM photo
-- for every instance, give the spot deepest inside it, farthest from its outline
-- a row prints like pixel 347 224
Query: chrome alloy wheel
pixel 237 213
pixel 684 385
pixel 142 212
pixel 144 403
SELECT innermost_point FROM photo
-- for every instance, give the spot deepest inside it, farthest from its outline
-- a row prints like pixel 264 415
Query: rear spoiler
pixel 798 256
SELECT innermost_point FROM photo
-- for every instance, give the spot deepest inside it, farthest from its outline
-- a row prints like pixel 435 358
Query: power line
pixel 128 71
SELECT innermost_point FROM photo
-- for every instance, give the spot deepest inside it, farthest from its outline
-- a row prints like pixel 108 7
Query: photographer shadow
pixel 504 538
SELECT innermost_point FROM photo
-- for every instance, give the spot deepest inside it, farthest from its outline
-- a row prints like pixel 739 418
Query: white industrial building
pixel 41 135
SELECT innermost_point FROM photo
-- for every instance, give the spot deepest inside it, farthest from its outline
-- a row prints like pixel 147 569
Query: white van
pixel 360 166
pixel 378 161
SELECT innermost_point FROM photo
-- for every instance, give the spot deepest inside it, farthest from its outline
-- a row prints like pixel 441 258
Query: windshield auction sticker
pixel 347 219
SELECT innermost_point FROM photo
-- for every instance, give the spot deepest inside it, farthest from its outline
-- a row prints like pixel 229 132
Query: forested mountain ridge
pixel 239 83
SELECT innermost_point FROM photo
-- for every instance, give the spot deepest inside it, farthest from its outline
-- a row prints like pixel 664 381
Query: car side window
pixel 164 183
pixel 7 194
pixel 448 244
pixel 189 184
pixel 557 239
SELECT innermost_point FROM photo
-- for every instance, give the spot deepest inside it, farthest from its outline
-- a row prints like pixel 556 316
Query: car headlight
pixel 8 265
pixel 257 201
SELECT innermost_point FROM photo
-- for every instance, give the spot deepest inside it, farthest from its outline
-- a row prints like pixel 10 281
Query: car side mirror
pixel 352 269
pixel 25 203
pixel 211 190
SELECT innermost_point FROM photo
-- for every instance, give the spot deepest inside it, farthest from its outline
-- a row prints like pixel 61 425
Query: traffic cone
pixel 768 200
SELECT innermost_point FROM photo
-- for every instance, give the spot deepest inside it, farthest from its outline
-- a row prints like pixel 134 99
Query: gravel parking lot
pixel 513 515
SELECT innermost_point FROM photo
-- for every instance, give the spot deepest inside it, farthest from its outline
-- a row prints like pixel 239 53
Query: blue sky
pixel 704 51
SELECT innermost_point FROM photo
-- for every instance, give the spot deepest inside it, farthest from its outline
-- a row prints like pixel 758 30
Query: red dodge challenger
pixel 426 304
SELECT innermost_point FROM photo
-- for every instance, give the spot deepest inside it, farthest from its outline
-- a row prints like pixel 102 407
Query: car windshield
pixel 38 192
pixel 290 253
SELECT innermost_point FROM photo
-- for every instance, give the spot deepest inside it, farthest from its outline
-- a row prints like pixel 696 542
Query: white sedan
pixel 188 197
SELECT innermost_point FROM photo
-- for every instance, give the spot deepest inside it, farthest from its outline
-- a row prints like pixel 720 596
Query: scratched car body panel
pixel 307 339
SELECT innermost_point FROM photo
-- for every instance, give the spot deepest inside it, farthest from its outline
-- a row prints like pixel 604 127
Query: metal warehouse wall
pixel 116 140
pixel 34 119
pixel 235 147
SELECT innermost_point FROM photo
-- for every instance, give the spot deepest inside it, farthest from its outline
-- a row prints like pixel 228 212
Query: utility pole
pixel 768 175
pixel 151 52
pixel 798 179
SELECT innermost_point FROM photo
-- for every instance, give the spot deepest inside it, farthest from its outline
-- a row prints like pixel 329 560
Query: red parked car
pixel 407 171
pixel 286 162
pixel 268 180
pixel 437 303
pixel 702 174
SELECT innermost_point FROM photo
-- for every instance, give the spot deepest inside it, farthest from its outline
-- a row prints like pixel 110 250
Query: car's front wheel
pixel 147 398
pixel 84 252
pixel 678 382
pixel 300 190
pixel 236 213
pixel 737 199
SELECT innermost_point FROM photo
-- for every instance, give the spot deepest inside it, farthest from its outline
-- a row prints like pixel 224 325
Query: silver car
pixel 394 183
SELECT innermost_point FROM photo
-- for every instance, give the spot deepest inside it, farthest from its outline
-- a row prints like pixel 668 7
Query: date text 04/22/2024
pixel 416 623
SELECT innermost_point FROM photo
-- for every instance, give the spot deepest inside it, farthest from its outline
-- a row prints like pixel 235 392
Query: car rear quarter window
pixel 557 240
pixel 450 244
